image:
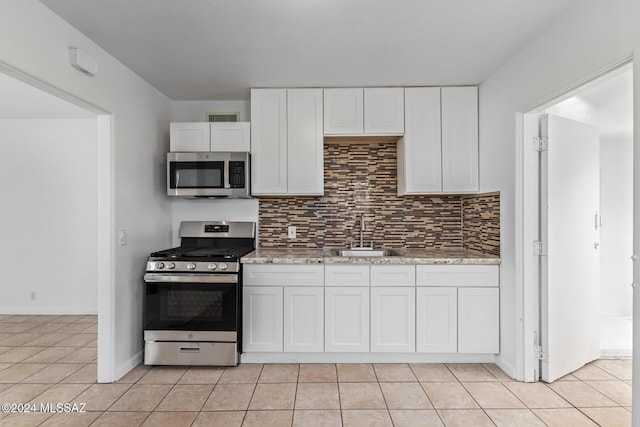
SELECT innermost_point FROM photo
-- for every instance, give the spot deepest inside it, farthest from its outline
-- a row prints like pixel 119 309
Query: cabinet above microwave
pixel 207 136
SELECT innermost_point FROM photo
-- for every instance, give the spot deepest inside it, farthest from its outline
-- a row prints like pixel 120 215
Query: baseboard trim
pixel 365 358
pixel 128 365
pixel 50 311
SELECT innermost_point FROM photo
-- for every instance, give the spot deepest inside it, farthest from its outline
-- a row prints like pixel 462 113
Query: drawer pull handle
pixel 189 350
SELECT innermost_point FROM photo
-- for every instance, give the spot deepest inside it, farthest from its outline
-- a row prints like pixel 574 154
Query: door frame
pixel 106 225
pixel 526 220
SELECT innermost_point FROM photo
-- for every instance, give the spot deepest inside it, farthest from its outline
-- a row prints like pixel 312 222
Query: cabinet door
pixel 305 163
pixel 384 111
pixel 478 320
pixel 420 151
pixel 393 275
pixel 346 319
pixel 262 318
pixel 269 141
pixel 232 136
pixel 459 139
pixel 304 319
pixel 192 136
pixel 343 112
pixel 436 320
pixel 393 319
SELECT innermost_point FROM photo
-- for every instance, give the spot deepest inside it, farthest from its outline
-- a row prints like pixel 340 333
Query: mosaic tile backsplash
pixel 361 179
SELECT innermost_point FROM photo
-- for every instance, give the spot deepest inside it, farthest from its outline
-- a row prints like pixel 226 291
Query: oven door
pixel 191 302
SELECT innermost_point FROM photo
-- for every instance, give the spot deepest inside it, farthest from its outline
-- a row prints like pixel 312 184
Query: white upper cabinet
pixel 420 150
pixel 231 136
pixel 439 150
pixel 459 139
pixel 305 154
pixel 205 136
pixel 368 111
pixel 384 111
pixel 343 111
pixel 287 142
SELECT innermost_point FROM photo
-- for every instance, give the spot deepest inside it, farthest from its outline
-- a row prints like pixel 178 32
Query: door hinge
pixel 540 248
pixel 541 143
pixel 540 353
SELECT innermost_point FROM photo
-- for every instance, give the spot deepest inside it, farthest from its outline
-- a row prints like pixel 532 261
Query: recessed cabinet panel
pixel 232 136
pixel 478 320
pixel 384 111
pixel 346 275
pixel 283 275
pixel 305 154
pixel 393 319
pixel 343 111
pixel 304 319
pixel 393 275
pixel 262 319
pixel 269 141
pixel 189 136
pixel 460 139
pixel 420 150
pixel 346 319
pixel 436 320
pixel 457 275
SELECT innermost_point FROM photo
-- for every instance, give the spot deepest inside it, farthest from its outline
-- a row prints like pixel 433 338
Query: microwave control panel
pixel 236 174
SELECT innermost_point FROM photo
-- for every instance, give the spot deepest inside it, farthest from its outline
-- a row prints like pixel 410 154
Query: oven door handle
pixel 190 278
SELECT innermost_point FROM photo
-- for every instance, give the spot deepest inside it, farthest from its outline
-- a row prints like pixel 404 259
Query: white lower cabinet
pixel 262 318
pixel 436 320
pixel 478 320
pixel 346 319
pixel 393 320
pixel 304 319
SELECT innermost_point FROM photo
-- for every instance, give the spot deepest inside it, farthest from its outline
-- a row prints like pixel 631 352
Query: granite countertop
pixel 404 256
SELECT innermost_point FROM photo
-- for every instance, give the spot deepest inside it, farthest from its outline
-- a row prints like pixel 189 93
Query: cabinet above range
pixel 206 136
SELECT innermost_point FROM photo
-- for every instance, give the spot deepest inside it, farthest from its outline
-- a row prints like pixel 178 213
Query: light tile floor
pixel 52 359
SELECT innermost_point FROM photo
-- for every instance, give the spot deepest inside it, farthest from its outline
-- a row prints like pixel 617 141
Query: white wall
pixel 35 41
pixel 209 209
pixel 195 111
pixel 49 216
pixel 590 37
pixel 616 242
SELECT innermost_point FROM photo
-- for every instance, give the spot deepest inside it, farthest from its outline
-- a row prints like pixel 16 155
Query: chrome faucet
pixel 363 228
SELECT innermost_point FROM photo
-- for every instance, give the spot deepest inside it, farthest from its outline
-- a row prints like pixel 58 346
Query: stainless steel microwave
pixel 205 174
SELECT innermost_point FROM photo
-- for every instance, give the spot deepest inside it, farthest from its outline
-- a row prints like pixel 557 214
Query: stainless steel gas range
pixel 192 309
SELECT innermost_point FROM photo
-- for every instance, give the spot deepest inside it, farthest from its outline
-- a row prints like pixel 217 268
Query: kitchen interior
pixel 348 224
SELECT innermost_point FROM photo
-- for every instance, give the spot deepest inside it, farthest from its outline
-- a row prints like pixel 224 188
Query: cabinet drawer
pixel 283 275
pixel 457 275
pixel 393 275
pixel 346 275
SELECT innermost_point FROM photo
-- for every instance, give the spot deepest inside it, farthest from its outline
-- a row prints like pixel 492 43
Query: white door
pixel 346 319
pixel 303 319
pixel 393 319
pixel 569 222
pixel 262 318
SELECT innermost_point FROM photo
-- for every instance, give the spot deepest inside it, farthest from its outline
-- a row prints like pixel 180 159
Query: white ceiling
pixel 20 100
pixel 606 103
pixel 218 49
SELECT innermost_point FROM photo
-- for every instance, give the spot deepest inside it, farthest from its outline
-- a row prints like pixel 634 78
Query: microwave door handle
pixel 226 174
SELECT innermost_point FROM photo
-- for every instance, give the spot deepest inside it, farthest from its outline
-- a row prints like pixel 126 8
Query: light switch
pixel 123 238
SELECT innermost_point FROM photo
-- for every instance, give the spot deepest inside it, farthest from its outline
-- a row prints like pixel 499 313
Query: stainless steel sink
pixel 365 252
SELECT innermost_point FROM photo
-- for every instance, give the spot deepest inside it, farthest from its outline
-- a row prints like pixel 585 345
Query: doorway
pixel 605 102
pixel 36 114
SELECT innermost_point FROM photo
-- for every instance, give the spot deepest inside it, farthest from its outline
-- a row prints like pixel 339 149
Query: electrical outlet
pixel 291 232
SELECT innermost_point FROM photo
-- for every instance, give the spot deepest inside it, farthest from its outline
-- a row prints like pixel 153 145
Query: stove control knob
pixel 191 266
pixel 171 266
pixel 212 266
pixel 159 265
pixel 223 266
